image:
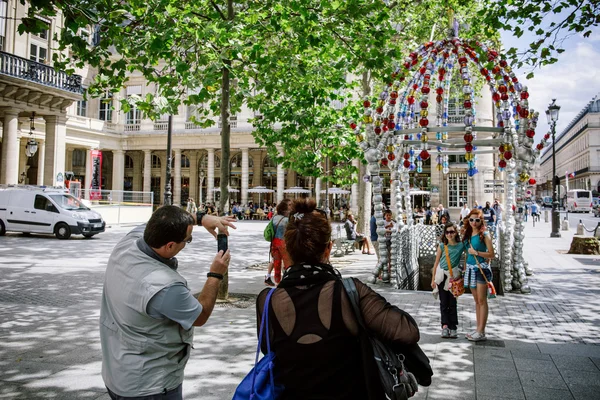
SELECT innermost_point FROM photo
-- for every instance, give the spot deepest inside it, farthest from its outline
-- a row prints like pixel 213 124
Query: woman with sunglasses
pixel 440 278
pixel 478 244
pixel 314 333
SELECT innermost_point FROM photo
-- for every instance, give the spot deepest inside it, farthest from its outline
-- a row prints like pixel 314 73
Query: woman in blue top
pixel 440 277
pixel 478 244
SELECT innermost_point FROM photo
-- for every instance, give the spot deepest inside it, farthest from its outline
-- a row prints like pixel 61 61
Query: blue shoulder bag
pixel 260 384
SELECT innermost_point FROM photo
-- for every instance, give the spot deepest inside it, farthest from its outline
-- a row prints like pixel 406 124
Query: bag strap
pixel 479 265
pixel 350 288
pixel 264 327
pixel 448 260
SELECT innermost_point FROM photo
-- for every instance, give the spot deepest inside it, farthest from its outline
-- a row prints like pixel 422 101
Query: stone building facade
pixel 577 152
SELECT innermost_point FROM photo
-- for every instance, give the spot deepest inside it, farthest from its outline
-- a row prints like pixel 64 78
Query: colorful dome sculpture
pixel 409 121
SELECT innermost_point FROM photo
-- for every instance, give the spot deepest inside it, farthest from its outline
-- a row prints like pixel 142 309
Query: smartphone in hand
pixel 222 242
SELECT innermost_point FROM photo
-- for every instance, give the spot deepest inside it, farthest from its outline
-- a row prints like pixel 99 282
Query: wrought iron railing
pixel 33 71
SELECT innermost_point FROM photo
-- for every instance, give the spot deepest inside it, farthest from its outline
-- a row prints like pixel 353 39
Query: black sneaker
pixel 268 281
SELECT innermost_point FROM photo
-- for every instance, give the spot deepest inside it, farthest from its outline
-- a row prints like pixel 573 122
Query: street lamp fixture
pixel 32 146
pixel 552 116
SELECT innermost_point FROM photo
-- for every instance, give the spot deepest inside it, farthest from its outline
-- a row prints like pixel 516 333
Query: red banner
pixel 96 184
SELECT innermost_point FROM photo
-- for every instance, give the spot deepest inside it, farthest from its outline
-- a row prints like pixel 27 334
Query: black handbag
pixel 395 379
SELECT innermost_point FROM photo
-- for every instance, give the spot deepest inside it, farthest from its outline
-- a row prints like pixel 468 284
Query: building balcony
pixel 32 71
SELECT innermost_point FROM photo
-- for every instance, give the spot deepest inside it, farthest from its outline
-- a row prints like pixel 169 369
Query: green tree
pixel 546 23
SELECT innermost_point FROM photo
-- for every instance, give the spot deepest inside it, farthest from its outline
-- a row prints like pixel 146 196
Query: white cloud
pixel 573 81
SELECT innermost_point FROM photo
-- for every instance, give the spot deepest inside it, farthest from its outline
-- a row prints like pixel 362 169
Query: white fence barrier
pixel 118 206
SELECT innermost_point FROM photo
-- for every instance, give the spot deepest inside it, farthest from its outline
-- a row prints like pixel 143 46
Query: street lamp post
pixel 552 116
pixel 167 201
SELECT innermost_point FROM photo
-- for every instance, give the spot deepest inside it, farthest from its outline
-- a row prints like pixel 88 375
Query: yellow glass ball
pixel 467 96
pixel 360 138
pixel 508 68
pixel 424 113
pixel 381 103
pixel 424 138
pixel 390 148
pixel 466 82
pixel 367 119
pixel 378 122
pixel 444 136
pixel 469 156
pixel 439 167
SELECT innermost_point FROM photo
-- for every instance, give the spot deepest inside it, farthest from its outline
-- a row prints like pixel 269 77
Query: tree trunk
pixel 585 245
pixel 223 293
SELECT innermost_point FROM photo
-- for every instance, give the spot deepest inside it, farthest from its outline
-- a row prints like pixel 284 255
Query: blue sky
pixel 574 80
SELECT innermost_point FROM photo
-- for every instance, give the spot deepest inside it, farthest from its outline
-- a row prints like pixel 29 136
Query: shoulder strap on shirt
pixel 448 260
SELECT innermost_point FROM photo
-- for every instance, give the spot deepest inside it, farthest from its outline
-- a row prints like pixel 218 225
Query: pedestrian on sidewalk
pixel 478 243
pixel 277 248
pixel 314 330
pixel 450 248
pixel 147 313
pixel 374 235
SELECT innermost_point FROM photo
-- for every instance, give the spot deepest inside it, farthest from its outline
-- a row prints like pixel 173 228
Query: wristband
pixel 215 275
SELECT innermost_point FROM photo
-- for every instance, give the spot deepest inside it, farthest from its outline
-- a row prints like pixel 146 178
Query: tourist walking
pixel 450 250
pixel 314 332
pixel 478 243
pixel 277 249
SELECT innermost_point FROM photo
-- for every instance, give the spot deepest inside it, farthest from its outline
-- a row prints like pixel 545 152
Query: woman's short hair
pixel 308 232
pixel 283 206
pixel 167 224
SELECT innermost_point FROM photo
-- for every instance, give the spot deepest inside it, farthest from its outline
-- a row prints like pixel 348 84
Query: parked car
pixel 37 209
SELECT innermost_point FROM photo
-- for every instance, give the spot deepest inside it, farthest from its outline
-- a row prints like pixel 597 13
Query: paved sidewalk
pixel 544 345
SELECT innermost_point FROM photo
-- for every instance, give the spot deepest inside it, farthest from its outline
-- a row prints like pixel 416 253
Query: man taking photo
pixel 148 313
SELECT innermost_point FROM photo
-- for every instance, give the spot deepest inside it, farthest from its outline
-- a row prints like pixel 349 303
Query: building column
pixel 9 173
pixel 88 174
pixel 257 177
pixel 41 154
pixel 147 175
pixel 193 157
pixel 355 189
pixel 245 176
pixel 23 160
pixel 54 163
pixel 280 182
pixel 118 173
pixel 137 172
pixel 177 178
pixel 291 178
pixel 210 183
pixel 318 182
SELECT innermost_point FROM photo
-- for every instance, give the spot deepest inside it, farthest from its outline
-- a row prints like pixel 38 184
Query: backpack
pixel 269 232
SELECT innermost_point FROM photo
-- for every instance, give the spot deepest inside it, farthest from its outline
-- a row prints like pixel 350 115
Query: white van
pixel 38 209
pixel 579 200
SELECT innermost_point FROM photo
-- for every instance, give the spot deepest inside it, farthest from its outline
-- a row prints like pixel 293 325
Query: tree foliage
pixel 548 23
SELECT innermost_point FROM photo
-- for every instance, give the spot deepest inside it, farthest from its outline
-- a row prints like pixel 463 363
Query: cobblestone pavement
pixel 542 345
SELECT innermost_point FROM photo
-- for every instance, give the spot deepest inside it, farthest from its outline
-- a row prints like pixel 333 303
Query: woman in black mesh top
pixel 313 331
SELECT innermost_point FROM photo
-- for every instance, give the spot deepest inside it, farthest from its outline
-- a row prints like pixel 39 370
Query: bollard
pixel 546 216
pixel 565 225
pixel 580 228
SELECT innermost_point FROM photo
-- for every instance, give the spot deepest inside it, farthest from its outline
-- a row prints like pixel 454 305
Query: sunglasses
pixel 475 220
pixel 450 232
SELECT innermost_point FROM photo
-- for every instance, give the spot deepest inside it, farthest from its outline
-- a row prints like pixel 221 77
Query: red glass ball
pixel 503 63
pixel 384 161
pixel 406 65
pixel 530 133
pixel 391 125
pixel 507 155
pixel 411 100
pixel 423 122
pixel 424 104
pixel 496 70
pixel 468 137
pixel 366 104
pixel 502 164
pixel 483 71
pixel 532 181
pixel 524 95
pixel 467 104
pixel 504 96
pixel 501 148
pixel 406 156
pixel 502 88
pixel 540 146
pixel 462 60
pixel 469 147
pixel 425 89
pixel 406 163
pixel 496 96
pixel 422 70
pixel 424 155
pixel 352 125
pixel 379 110
pixel 524 113
pixel 439 90
pixel 439 98
pixel 547 136
pixel 392 101
pixel 377 130
pixel 394 95
pixel 442 71
pixel 391 157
